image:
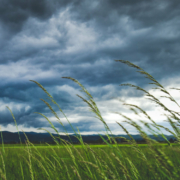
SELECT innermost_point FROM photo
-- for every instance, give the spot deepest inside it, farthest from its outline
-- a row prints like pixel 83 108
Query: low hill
pixel 13 138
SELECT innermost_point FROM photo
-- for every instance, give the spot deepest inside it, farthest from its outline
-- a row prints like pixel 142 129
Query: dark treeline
pixel 42 138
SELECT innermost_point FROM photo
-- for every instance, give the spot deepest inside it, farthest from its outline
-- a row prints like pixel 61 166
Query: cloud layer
pixel 46 40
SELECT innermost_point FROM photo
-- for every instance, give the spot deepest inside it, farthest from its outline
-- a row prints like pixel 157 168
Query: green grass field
pixel 78 146
pixel 56 163
pixel 132 161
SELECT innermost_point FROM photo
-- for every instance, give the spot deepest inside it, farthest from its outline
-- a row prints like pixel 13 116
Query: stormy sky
pixel 47 40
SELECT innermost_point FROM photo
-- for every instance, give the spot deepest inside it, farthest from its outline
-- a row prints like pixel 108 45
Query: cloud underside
pixel 46 40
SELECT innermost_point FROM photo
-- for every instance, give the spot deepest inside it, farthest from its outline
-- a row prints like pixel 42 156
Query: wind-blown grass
pixel 112 162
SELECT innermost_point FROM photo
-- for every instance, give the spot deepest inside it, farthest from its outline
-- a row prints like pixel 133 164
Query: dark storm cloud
pixel 13 13
pixel 46 40
pixel 139 13
pixel 152 37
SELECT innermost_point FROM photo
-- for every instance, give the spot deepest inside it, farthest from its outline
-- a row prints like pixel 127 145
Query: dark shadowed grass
pixel 68 161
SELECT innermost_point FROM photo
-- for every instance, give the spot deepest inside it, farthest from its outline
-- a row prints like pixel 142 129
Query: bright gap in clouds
pixel 108 108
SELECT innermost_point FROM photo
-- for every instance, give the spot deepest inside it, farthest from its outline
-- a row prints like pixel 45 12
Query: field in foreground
pixel 56 163
pixel 14 146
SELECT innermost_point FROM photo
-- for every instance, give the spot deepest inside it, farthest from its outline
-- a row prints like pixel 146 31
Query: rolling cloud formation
pixel 46 40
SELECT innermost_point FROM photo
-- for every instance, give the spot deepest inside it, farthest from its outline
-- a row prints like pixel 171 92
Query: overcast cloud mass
pixel 47 40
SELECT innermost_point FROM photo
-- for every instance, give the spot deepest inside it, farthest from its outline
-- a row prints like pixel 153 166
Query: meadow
pixel 111 161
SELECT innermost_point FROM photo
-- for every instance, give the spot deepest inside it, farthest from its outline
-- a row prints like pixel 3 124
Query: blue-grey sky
pixel 47 40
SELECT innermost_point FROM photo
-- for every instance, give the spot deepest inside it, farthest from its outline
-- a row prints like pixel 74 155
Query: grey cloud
pixel 47 36
pixel 13 13
pixel 140 12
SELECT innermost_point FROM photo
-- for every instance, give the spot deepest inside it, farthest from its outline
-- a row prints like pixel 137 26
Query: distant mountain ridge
pixel 13 138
